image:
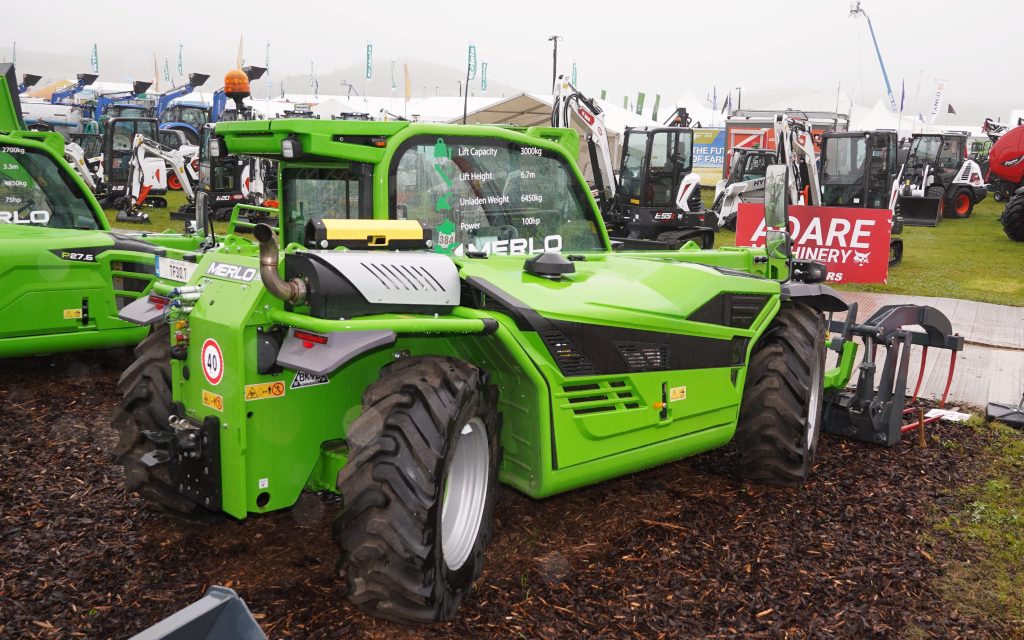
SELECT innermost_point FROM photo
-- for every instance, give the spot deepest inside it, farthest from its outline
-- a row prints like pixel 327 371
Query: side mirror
pixel 778 244
pixel 775 200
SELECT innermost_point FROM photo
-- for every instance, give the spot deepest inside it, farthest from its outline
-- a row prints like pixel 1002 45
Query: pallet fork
pixel 877 417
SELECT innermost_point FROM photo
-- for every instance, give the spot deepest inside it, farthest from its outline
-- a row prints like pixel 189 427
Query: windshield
pixel 844 160
pixel 35 190
pixel 493 196
pixel 194 116
pixel 755 165
pixel 924 149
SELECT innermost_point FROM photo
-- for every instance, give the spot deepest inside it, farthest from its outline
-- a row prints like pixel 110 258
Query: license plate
pixel 178 270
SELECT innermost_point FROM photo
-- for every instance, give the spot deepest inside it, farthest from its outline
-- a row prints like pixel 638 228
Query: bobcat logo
pixel 860 259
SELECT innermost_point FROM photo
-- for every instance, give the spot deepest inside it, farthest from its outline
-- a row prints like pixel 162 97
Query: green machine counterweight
pixel 439 309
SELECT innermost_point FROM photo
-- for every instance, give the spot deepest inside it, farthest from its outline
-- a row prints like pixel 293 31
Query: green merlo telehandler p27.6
pixel 439 309
pixel 64 274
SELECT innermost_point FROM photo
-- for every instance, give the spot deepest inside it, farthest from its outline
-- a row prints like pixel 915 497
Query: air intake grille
pixel 402 277
pixel 569 359
pixel 131 277
pixel 598 397
pixel 643 356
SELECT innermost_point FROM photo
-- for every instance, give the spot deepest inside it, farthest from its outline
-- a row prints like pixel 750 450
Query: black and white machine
pixel 939 179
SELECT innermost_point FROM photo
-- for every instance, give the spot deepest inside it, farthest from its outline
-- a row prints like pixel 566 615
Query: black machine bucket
pixel 868 415
pixel 920 211
pixel 218 615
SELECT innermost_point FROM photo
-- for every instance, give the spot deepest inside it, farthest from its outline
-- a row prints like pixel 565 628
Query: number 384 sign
pixel 852 243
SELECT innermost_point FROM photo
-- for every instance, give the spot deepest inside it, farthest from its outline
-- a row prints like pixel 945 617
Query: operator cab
pixel 118 136
pixel 194 116
pixel 858 169
pixel 474 196
pixel 941 151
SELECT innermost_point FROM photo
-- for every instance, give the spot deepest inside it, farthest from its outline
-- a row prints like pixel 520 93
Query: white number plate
pixel 178 270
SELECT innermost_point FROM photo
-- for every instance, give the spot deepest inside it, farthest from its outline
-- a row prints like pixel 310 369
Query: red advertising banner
pixel 852 243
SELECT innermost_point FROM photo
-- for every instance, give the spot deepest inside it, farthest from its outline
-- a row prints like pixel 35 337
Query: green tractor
pixel 437 310
pixel 64 274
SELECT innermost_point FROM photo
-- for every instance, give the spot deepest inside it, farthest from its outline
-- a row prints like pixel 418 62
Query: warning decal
pixel 264 390
pixel 213 400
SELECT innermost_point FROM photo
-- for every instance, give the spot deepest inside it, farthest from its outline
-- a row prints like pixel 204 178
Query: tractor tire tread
pixel 777 398
pixel 390 513
pixel 1013 219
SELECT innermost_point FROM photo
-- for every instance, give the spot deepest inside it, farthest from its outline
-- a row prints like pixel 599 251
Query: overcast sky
pixel 772 48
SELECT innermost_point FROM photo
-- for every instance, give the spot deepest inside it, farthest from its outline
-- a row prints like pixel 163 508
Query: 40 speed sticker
pixel 213 361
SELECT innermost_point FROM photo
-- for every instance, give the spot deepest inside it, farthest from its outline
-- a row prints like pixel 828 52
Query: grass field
pixel 967 259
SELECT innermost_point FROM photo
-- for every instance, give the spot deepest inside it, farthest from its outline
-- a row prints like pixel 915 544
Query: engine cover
pixel 358 283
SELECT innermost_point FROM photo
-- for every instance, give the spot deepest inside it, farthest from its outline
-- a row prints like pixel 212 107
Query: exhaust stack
pixel 291 291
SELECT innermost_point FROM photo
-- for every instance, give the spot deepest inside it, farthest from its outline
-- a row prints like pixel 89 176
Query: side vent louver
pixel 731 310
pixel 569 359
pixel 643 356
pixel 600 397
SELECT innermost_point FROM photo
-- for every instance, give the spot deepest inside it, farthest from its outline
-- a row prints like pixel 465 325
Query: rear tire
pixel 1013 219
pixel 419 489
pixel 146 406
pixel 961 206
pixel 781 412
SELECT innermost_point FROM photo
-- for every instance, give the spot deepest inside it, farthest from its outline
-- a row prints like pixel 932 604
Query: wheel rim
pixel 962 204
pixel 465 494
pixel 814 410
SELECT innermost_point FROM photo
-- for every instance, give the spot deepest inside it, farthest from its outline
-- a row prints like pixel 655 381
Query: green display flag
pixel 472 63
pixel 95 59
pixel 369 60
pixel 604 94
pixel 640 103
pixel 574 74
pixel 393 85
pixel 167 70
pixel 483 77
pixel 181 65
pixel 625 102
pixel 657 103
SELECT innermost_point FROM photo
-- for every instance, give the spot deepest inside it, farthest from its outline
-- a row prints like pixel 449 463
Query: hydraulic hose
pixel 292 291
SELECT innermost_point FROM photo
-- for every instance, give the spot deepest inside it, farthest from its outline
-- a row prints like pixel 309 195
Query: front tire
pixel 781 412
pixel 419 489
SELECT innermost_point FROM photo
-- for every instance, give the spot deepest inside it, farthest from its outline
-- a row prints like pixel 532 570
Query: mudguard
pixel 821 297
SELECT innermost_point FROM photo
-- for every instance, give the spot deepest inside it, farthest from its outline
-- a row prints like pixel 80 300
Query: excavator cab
pixel 117 152
pixel 658 196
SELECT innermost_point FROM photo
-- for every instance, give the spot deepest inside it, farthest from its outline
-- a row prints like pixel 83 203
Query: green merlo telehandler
pixel 438 309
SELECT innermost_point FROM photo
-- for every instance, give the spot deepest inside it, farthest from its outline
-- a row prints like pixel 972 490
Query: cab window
pixel 318 193
pixel 36 191
pixel 492 196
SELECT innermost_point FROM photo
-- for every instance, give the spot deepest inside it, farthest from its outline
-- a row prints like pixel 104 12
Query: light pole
pixel 554 62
